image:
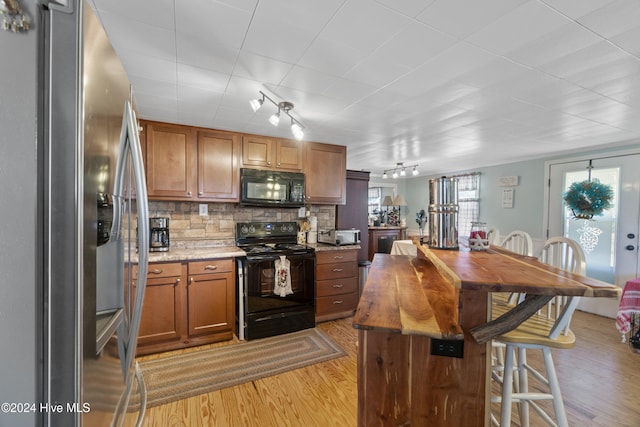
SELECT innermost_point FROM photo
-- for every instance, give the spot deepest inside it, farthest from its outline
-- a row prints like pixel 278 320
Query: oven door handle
pixel 262 258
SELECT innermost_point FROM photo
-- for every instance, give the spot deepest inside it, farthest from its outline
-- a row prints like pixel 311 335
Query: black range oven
pixel 272 258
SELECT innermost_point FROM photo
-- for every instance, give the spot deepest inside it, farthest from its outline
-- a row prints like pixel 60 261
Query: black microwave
pixel 271 188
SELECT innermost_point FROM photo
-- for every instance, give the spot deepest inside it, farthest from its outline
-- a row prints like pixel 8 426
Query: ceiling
pixel 447 84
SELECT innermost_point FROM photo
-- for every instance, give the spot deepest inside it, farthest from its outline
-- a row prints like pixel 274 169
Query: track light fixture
pixel 400 170
pixel 283 106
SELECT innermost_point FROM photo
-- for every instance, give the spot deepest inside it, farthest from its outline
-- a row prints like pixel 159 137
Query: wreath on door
pixel 588 198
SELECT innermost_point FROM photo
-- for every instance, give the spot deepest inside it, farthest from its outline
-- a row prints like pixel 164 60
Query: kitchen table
pixel 424 330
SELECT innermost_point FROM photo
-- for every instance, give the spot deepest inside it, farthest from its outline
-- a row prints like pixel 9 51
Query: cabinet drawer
pixel 336 303
pixel 211 266
pixel 336 286
pixel 336 270
pixel 159 270
pixel 328 257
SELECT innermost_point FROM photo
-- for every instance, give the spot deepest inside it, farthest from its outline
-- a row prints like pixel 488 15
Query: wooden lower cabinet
pixel 211 299
pixel 187 304
pixel 163 318
pixel 381 239
pixel 336 284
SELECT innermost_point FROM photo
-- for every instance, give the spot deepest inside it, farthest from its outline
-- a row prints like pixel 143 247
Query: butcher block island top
pixel 424 330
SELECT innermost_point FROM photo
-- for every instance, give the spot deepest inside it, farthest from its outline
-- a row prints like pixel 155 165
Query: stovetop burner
pixel 270 238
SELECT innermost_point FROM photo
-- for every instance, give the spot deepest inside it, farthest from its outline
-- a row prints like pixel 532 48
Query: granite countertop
pixel 184 254
pixel 213 252
pixel 319 247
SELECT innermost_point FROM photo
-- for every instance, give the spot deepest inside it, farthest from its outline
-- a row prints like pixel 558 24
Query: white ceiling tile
pixel 614 18
pixel 260 68
pixel 199 52
pixel 555 45
pixel 363 25
pixel 157 13
pixel 577 8
pixel 401 48
pixel 301 78
pixel 202 78
pixel 137 37
pixel 528 22
pixel 212 21
pixel 331 56
pixel 407 7
pixel 462 18
pixel 377 70
pixel 528 81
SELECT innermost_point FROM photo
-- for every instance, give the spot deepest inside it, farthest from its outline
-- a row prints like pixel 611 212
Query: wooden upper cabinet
pixel 187 163
pixel 218 166
pixel 325 173
pixel 261 152
pixel 170 161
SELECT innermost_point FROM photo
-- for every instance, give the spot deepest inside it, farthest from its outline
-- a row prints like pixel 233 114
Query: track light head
pixel 296 129
pixel 400 170
pixel 275 118
pixel 256 104
pixel 283 106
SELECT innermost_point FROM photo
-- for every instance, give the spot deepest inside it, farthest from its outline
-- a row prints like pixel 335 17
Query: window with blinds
pixel 375 198
pixel 468 201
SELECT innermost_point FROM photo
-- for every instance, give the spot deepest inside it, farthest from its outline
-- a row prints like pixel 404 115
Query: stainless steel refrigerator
pixel 94 225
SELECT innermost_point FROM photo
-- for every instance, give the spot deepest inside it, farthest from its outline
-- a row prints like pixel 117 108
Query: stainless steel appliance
pixel 91 149
pixel 159 234
pixel 443 213
pixel 271 188
pixel 261 312
pixel 339 237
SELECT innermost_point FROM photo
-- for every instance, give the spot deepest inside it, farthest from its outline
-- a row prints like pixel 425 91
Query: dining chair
pixel 492 235
pixel 520 242
pixel 543 331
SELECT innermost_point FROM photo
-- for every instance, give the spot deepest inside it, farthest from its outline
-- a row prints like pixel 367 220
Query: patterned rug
pixel 181 376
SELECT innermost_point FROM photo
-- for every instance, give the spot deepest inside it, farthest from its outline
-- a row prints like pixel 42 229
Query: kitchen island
pixel 424 335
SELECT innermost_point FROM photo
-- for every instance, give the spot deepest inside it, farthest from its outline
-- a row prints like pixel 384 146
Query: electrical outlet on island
pixel 204 209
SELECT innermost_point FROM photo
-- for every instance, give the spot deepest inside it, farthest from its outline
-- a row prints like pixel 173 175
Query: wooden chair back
pixel 566 254
pixel 518 241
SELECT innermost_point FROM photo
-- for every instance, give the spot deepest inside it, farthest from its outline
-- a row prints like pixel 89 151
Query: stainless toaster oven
pixel 339 237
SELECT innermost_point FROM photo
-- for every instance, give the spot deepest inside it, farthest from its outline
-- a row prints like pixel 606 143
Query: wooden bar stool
pixel 545 330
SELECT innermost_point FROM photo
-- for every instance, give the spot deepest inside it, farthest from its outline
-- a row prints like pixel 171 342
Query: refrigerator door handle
pixel 130 144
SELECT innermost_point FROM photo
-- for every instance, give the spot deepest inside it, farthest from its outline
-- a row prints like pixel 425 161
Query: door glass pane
pixel 598 235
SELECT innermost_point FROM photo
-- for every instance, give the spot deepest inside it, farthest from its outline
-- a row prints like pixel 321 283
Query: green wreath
pixel 587 199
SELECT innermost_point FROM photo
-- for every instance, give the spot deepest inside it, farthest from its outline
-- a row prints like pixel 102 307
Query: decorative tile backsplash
pixel 188 229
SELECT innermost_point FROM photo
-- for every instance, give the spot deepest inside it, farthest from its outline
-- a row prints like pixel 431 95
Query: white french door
pixel 609 241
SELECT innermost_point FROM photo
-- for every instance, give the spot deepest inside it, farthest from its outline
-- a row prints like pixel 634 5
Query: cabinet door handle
pixel 337 269
pixel 337 285
pixel 338 257
pixel 156 271
pixel 338 302
pixel 188 193
pixel 178 280
pixel 210 267
pixel 191 280
pixel 200 193
pixel 269 163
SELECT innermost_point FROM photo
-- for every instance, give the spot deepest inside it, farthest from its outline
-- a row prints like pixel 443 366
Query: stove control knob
pixel 252 229
pixel 244 229
pixel 290 228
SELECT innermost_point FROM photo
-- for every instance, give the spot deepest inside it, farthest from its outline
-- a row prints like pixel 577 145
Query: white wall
pixel 528 209
pixel 18 247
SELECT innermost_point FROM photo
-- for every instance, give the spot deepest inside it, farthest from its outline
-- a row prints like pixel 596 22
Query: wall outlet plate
pixel 449 348
pixel 301 212
pixel 203 209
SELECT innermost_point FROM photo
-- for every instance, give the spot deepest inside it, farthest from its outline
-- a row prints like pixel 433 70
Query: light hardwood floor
pixel 600 381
